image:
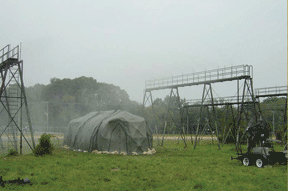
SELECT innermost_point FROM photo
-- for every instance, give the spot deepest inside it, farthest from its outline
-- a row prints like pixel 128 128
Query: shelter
pixel 109 131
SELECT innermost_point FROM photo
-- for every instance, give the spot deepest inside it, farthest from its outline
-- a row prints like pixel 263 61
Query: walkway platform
pixel 271 91
pixel 209 76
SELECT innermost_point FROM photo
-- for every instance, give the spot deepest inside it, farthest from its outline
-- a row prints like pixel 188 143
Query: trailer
pixel 262 155
pixel 260 148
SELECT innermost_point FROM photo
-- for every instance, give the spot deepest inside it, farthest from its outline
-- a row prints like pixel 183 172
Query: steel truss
pixel 247 106
pixel 206 78
pixel 13 98
pixel 174 93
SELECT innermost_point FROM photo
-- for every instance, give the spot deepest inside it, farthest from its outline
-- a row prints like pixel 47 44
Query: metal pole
pixel 285 119
pixel 187 126
pixel 273 124
pixel 27 110
pixel 157 137
pixel 21 116
pixel 47 114
pixel 238 97
pixel 181 117
pixel 164 133
pixel 199 122
pixel 239 118
pixel 20 50
pixel 214 114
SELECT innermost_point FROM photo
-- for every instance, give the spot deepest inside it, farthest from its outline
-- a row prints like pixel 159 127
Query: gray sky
pixel 129 41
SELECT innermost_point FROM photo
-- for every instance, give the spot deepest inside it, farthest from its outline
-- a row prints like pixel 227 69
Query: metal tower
pixel 244 100
pixel 12 99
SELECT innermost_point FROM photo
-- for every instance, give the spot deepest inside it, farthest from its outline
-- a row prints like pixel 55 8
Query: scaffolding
pixel 207 78
pixel 12 99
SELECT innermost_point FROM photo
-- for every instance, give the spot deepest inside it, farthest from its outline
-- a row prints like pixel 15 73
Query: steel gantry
pixel 207 78
pixel 12 99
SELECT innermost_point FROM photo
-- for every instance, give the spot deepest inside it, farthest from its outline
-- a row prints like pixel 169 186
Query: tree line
pixel 62 100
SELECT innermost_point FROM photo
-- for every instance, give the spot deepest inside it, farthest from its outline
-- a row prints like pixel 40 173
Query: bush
pixel 45 146
pixel 12 152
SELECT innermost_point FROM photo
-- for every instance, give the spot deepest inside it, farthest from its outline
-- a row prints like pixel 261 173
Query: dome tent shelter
pixel 109 131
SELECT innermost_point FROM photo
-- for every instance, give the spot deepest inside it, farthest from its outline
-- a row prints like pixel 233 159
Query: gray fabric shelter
pixel 109 131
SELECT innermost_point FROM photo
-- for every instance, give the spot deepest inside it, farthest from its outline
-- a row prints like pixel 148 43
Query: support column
pixel 145 100
pixel 200 115
pixel 180 109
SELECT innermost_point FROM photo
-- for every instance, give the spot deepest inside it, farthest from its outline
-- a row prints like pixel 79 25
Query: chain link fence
pixel 27 144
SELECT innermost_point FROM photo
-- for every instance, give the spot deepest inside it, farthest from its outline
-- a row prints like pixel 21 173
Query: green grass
pixel 171 168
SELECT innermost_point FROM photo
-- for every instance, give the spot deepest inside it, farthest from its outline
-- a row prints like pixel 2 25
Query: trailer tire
pixel 259 162
pixel 246 161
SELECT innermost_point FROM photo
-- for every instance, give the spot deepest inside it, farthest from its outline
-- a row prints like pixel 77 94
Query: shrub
pixel 45 146
pixel 12 152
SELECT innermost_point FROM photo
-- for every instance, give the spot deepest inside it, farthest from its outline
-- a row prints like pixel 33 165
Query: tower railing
pixel 7 53
pixel 271 91
pixel 219 101
pixel 216 75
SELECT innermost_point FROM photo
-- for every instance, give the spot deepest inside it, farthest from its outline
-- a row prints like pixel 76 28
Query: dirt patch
pixel 188 138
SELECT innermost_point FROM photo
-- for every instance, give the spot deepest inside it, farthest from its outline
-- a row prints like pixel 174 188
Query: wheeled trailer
pixel 261 156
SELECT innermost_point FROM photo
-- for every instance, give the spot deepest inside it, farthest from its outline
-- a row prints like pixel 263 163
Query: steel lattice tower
pixel 12 99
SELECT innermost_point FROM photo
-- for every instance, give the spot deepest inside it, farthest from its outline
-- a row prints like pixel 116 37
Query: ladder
pixel 13 93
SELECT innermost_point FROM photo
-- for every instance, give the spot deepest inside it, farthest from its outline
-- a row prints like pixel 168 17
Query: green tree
pixel 273 109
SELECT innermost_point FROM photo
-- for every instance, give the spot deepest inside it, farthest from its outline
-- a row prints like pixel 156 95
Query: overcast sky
pixel 125 42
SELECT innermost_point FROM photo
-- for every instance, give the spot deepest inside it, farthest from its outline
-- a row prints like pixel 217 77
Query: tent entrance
pixel 118 141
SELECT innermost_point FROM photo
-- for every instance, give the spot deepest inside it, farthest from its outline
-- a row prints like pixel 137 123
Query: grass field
pixel 171 168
